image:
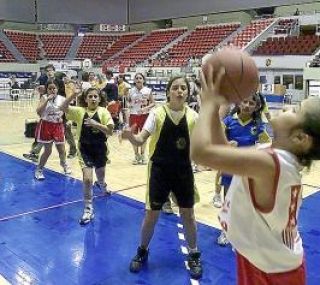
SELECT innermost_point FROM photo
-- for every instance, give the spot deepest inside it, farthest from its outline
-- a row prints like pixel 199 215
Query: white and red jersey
pixel 52 112
pixel 268 238
pixel 139 99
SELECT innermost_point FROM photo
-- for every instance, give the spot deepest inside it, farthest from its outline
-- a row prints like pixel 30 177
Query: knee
pixel 48 151
pixel 187 214
pixel 87 182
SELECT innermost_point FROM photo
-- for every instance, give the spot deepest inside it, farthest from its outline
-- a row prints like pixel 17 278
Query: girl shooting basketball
pixel 263 227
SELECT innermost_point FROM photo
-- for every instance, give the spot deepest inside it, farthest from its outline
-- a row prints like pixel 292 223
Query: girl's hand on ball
pixel 210 86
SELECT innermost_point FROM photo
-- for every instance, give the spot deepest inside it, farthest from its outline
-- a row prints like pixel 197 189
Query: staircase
pixel 253 44
pixel 171 44
pixel 116 55
pixel 72 52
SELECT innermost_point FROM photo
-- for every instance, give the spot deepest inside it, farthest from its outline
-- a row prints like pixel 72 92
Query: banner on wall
pixel 112 28
pixel 267 89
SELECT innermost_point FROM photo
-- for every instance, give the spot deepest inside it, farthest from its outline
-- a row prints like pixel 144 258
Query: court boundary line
pixel 4 281
pixel 200 221
pixel 39 210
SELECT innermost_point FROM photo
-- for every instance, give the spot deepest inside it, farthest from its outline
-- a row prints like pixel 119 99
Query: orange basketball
pixel 241 77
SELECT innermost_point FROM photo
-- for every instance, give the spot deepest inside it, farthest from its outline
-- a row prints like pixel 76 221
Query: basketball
pixel 241 77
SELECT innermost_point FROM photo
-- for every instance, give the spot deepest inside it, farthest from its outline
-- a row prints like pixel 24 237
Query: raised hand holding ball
pixel 240 79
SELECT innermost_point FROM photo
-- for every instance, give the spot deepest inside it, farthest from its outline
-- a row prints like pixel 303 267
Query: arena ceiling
pixel 122 11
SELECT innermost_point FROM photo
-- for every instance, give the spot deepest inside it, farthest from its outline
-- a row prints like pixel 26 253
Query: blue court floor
pixel 41 241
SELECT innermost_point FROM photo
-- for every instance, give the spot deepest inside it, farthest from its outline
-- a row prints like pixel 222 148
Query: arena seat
pixel 25 42
pixel 198 43
pixel 6 55
pixel 289 45
pixel 56 45
pixel 93 45
pixel 150 45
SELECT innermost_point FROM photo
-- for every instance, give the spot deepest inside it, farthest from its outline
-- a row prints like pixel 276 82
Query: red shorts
pixel 114 109
pixel 48 132
pixel 137 122
pixel 248 274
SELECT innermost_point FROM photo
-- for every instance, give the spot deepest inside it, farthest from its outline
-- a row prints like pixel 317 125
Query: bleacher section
pixel 197 44
pixel 6 55
pixel 93 45
pixel 285 26
pixel 25 42
pixel 56 45
pixel 147 47
pixel 122 42
pixel 251 31
pixel 290 45
pixel 129 49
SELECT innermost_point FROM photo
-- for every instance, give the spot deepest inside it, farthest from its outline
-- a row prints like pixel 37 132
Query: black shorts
pixel 164 179
pixel 93 155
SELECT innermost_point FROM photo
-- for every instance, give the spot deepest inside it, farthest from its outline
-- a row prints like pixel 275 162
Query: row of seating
pixel 151 44
pixel 94 45
pixel 290 45
pixel 250 32
pixel 128 49
pixel 198 43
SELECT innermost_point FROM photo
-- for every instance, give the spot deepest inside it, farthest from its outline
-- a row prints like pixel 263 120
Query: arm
pixel 209 146
pixel 43 103
pixel 65 105
pixel 138 139
pixel 146 109
pixel 106 129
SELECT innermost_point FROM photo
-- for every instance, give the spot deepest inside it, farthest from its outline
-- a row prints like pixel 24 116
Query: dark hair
pixel 174 78
pixel 257 113
pixel 123 77
pixel 50 81
pixel 144 78
pixel 60 75
pixel 311 126
pixel 109 72
pixel 49 66
pixel 85 76
pixel 82 98
pixel 260 104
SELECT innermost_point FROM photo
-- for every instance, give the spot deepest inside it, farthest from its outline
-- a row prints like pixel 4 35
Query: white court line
pixel 4 281
pixel 39 210
pixel 181 236
pixel 184 250
pixel 194 282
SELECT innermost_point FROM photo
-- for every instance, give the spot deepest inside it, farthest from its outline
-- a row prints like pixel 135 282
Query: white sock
pixel 193 250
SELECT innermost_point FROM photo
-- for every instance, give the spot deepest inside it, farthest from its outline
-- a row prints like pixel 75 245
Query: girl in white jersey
pixel 140 103
pixel 50 128
pixel 263 227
